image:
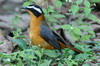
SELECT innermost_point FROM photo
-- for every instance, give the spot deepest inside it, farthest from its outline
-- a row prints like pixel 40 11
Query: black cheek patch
pixel 36 13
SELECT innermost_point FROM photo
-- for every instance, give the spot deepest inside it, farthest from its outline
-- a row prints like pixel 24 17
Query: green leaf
pixel 77 31
pixel 21 43
pixel 74 36
pixel 52 19
pixel 1 42
pixel 28 54
pixel 74 63
pixel 85 37
pixel 86 48
pixel 60 64
pixel 85 56
pixel 26 3
pixel 93 33
pixel 15 20
pixel 28 61
pixel 20 63
pixel 45 11
pixel 46 63
pixel 69 57
pixel 58 15
pixel 86 64
pixel 51 9
pixel 74 9
pixel 38 53
pixel 96 1
pixel 58 3
pixel 85 28
pixel 86 3
pixel 81 57
pixel 51 53
pixel 66 26
pixel 87 10
pixel 70 62
pixel 93 17
pixel 79 2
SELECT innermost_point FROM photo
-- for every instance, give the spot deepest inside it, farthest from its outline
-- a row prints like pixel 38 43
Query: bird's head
pixel 34 10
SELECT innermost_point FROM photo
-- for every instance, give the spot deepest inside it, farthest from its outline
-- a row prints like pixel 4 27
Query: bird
pixel 41 34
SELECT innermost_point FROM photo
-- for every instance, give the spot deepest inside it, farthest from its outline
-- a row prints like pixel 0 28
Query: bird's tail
pixel 70 47
pixel 74 49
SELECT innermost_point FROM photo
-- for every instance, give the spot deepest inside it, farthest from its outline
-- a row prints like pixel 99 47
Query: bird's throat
pixel 35 23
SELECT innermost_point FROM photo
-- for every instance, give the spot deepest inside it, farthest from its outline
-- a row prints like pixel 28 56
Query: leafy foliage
pixel 79 29
pixel 41 57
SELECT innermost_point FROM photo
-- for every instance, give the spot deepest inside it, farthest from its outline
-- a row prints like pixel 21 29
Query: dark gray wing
pixel 49 37
pixel 59 38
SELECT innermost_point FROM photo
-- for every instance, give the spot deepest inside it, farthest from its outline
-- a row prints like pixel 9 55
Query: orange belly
pixel 43 44
pixel 39 41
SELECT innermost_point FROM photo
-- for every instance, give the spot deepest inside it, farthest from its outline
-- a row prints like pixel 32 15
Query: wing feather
pixel 59 38
pixel 49 37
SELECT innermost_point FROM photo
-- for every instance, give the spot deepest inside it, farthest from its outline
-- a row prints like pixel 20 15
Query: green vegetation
pixel 80 30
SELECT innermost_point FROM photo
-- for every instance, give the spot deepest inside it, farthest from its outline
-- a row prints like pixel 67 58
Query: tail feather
pixel 70 47
pixel 74 49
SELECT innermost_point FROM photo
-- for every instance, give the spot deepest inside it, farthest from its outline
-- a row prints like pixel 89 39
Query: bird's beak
pixel 23 7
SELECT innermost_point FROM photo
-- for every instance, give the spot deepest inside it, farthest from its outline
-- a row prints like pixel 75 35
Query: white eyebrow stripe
pixel 35 8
